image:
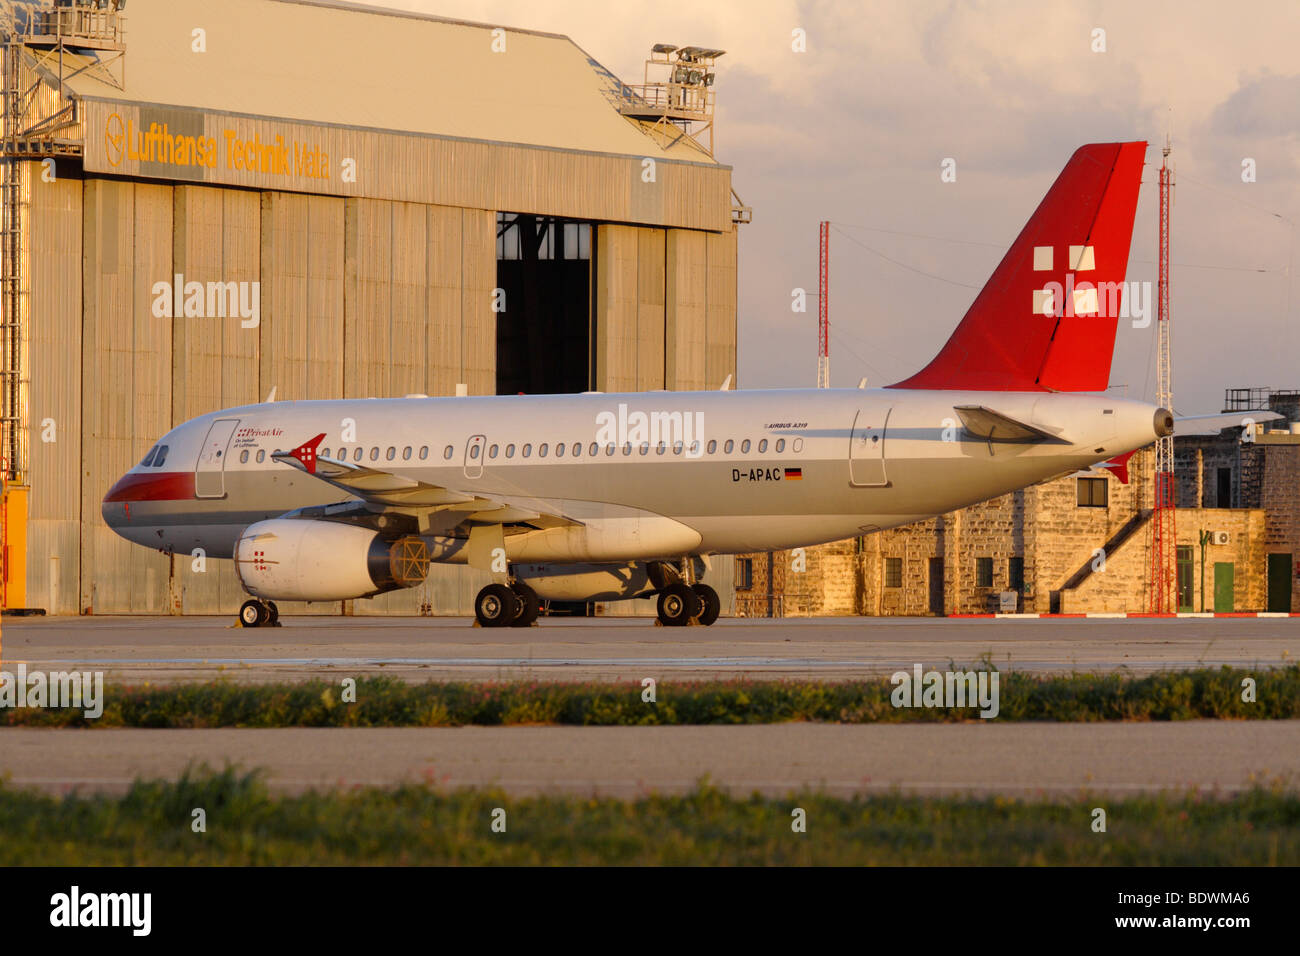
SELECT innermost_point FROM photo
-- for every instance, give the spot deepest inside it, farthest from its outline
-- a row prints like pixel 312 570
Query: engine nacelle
pixel 307 559
pixel 587 582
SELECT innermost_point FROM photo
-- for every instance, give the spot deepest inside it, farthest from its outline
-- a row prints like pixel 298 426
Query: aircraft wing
pixel 387 490
pixel 990 425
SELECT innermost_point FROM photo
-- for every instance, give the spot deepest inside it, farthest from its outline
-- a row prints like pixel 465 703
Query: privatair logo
pixel 114 140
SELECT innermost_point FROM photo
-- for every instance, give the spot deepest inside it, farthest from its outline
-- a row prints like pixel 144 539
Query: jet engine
pixel 307 559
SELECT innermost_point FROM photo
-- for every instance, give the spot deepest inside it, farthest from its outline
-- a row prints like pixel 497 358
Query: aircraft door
pixel 867 448
pixel 210 470
pixel 474 452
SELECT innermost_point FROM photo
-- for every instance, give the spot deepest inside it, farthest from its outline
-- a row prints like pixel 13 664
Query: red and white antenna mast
pixel 823 315
pixel 1163 594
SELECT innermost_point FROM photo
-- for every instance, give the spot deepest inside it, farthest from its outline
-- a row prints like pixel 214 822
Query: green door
pixel 1224 572
pixel 1186 581
pixel 1279 582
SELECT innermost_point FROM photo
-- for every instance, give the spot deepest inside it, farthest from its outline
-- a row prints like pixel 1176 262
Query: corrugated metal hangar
pixel 372 203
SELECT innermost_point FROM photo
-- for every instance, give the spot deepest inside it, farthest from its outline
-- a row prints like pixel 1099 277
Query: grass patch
pixel 246 825
pixel 387 702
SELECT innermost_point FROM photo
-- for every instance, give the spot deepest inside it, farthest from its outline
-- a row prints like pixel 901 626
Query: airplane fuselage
pixel 744 470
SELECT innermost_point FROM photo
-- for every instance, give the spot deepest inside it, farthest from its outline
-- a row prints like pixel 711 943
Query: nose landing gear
pixel 258 613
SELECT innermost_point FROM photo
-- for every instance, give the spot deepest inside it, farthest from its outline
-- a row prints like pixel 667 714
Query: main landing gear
pixel 258 613
pixel 500 605
pixel 682 599
pixel 681 604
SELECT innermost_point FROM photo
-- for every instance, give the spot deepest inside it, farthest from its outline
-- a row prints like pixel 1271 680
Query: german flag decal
pixel 794 474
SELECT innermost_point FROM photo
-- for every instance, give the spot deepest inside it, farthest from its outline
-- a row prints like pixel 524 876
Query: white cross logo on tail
pixel 1080 259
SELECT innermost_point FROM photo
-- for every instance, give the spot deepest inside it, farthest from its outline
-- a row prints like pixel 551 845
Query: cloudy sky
pixel 854 130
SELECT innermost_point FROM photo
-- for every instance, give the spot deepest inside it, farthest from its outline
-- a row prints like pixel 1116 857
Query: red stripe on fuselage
pixel 161 486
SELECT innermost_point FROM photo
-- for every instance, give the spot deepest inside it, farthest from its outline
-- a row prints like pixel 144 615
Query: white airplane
pixel 616 496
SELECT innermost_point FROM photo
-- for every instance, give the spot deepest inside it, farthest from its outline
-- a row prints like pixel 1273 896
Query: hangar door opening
pixel 544 323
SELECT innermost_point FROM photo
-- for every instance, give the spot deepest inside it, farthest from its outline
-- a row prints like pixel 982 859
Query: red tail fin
pixel 1046 319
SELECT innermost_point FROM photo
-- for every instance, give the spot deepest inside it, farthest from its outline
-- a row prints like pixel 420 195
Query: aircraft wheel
pixel 530 605
pixel 678 604
pixel 273 620
pixel 712 603
pixel 254 613
pixel 497 606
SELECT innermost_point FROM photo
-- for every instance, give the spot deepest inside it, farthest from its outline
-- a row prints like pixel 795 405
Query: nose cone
pixel 1164 422
pixel 113 507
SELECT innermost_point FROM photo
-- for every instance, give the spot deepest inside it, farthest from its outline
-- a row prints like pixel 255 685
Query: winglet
pixel 1119 466
pixel 305 454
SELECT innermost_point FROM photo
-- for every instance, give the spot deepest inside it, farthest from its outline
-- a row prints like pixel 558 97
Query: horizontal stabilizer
pixel 1212 424
pixel 994 426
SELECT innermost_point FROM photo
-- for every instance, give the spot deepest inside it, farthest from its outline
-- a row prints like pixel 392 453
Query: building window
pixel 1224 483
pixel 984 572
pixel 893 572
pixel 744 574
pixel 1091 492
pixel 1016 574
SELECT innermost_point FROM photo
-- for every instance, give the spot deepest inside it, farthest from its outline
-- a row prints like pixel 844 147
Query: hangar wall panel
pixel 651 260
pixel 720 322
pixel 409 259
pixel 125 368
pixel 302 296
pixel 445 344
pixel 478 321
pixel 53 251
pixel 685 310
pixel 367 298
pixel 616 308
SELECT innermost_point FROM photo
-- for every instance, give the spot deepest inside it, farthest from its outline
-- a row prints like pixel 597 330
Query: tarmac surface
pixel 1040 760
pixel 174 649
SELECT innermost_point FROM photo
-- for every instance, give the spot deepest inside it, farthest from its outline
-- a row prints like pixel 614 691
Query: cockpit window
pixel 161 456
pixel 148 459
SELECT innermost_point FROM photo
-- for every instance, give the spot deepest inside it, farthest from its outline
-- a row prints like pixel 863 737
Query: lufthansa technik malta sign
pixel 183 144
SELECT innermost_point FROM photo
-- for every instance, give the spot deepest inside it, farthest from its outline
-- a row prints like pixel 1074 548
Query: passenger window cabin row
pixel 542 450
